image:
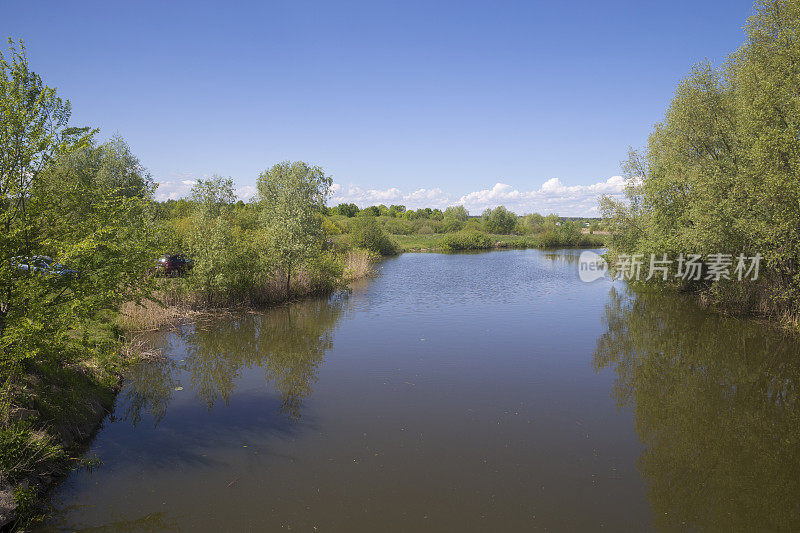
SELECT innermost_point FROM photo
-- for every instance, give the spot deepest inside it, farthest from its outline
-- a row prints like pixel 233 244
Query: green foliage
pixel 499 220
pixel 85 205
pixel 292 195
pixel 348 210
pixel 372 211
pixel 451 225
pixel 564 234
pixel 223 251
pixel 466 240
pixel 456 212
pixel 530 224
pixel 397 226
pixel 365 232
pixel 721 173
pixel 25 498
pixel 330 227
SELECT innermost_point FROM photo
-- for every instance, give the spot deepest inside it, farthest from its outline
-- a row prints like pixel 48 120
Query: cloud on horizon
pixel 179 185
pixel 551 197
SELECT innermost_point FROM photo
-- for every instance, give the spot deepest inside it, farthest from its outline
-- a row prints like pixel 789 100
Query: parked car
pixel 173 265
pixel 42 264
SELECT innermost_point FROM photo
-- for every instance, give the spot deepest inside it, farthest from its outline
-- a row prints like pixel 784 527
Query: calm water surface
pixel 486 392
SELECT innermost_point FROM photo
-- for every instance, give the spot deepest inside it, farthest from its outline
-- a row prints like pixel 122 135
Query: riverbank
pixel 438 242
pixel 54 411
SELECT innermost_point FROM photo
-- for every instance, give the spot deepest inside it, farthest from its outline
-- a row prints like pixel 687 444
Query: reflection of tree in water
pixel 149 389
pixel 288 343
pixel 717 409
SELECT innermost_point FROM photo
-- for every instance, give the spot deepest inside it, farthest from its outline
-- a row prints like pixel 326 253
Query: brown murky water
pixel 482 392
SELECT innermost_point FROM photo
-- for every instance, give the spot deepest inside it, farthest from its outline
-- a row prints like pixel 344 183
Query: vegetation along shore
pixel 721 174
pixel 81 233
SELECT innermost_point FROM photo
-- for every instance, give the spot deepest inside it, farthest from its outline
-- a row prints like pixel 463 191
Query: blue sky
pixel 528 104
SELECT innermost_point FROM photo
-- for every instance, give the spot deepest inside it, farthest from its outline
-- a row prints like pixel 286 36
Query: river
pixel 470 392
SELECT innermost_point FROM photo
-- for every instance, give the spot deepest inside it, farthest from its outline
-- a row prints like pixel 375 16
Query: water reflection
pixel 716 407
pixel 288 344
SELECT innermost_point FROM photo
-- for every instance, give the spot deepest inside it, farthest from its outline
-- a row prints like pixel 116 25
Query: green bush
pixel 365 232
pixel 451 225
pixel 397 226
pixel 327 272
pixel 466 240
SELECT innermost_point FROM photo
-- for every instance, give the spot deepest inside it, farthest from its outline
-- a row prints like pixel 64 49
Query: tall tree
pixel 33 132
pixel 292 195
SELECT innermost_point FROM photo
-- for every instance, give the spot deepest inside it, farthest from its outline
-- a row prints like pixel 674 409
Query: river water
pixel 473 392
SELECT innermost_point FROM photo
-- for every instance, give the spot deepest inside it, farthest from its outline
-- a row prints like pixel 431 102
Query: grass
pixel 50 409
pixel 150 315
pixel 359 264
pixel 419 242
pixel 23 451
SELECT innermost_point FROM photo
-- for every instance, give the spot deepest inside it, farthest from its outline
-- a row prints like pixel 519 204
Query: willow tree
pixel 292 195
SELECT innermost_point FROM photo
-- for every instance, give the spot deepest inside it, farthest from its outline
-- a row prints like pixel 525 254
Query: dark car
pixel 173 265
pixel 42 264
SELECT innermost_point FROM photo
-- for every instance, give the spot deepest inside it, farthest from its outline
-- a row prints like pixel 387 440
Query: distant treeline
pixel 377 227
pixel 721 173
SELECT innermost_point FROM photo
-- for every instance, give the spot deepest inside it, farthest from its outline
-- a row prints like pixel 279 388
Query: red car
pixel 173 265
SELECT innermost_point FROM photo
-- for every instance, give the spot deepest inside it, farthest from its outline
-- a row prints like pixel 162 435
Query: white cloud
pixel 180 183
pixel 172 190
pixel 246 192
pixel 365 197
pixel 552 196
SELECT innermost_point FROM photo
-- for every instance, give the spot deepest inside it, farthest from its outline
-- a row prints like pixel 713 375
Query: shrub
pixel 499 220
pixel 466 240
pixel 397 226
pixel 451 225
pixel 326 273
pixel 330 227
pixel 365 232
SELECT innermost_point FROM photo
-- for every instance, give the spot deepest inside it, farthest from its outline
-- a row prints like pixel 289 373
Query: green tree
pixel 33 132
pixel 210 241
pixel 720 173
pixel 396 210
pixel 371 211
pixel 530 224
pixel 348 210
pixel 292 194
pixel 499 220
pixel 456 212
pixel 85 206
